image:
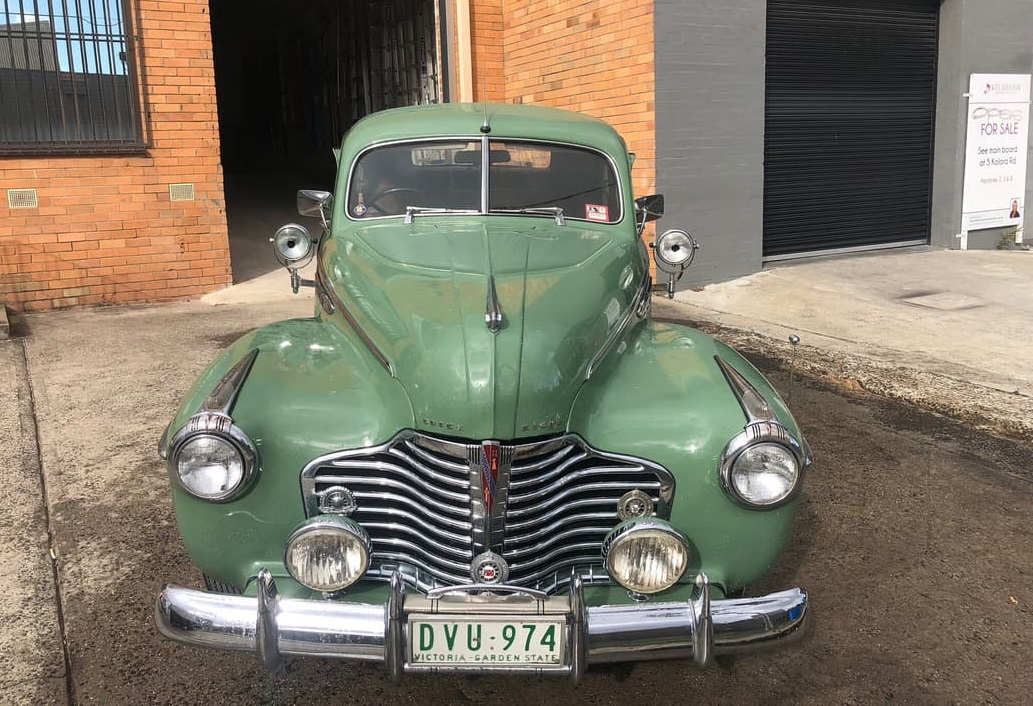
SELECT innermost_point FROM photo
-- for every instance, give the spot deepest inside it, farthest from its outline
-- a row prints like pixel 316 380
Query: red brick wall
pixel 486 36
pixel 105 230
pixel 592 56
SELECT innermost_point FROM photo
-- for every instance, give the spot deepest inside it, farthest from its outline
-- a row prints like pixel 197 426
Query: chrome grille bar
pixel 416 497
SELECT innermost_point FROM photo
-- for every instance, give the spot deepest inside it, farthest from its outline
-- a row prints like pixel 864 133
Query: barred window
pixel 67 79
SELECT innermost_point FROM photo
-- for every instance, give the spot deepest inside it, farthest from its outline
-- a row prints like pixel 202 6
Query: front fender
pixel 311 390
pixel 663 397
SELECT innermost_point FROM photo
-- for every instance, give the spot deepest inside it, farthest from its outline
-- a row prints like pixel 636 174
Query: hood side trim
pixel 754 406
pixel 224 395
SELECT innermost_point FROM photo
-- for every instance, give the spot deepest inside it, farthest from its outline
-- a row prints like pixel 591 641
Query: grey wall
pixel 710 130
pixel 976 36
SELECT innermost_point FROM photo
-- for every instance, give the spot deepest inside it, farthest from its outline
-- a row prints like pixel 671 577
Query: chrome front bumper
pixel 699 628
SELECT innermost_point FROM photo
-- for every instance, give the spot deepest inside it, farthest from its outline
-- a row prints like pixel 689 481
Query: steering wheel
pixel 371 202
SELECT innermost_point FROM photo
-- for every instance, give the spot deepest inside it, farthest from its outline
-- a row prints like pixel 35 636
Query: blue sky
pixel 81 29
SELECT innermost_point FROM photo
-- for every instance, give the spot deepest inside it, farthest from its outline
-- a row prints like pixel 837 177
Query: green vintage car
pixel 481 454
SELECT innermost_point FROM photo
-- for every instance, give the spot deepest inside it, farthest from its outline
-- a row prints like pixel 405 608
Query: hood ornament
pixel 493 312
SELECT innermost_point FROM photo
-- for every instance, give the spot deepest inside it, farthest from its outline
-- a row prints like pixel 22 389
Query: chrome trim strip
pixel 697 628
pixel 224 395
pixel 630 317
pixel 578 629
pixel 267 631
pixel 163 443
pixel 447 448
pixel 584 505
pixel 382 466
pixel 703 634
pixel 484 189
pixel 537 559
pixel 485 168
pixel 756 408
pixel 359 331
pixel 394 648
pixel 419 525
pixel 587 565
pixel 550 504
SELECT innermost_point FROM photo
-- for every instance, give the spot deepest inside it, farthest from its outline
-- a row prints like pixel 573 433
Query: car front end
pixel 481 453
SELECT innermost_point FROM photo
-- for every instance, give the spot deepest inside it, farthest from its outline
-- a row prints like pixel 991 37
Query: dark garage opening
pixel 290 79
pixel 849 114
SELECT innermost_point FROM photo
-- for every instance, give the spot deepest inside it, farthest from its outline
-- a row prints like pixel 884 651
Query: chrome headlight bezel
pixel 335 524
pixel 635 530
pixel 757 434
pixel 214 425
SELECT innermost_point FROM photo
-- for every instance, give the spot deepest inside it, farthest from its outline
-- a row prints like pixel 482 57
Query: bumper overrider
pixel 391 633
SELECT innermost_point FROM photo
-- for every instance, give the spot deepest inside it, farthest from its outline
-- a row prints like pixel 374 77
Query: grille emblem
pixel 489 567
pixel 489 472
pixel 490 463
pixel 337 500
pixel 634 504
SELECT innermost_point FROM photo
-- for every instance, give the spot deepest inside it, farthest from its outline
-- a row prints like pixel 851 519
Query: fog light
pixel 328 554
pixel 646 556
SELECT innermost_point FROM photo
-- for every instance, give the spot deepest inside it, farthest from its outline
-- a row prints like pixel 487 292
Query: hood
pixel 419 293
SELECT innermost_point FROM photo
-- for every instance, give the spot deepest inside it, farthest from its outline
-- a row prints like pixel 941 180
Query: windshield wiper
pixel 554 211
pixel 411 211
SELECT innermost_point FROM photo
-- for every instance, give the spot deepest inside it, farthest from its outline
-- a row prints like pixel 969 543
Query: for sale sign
pixel 995 159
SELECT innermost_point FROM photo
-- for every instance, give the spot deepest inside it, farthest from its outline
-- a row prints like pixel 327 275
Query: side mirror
pixel 316 203
pixel 648 208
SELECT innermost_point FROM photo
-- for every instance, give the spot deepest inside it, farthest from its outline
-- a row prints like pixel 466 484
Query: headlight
pixel 761 468
pixel 765 474
pixel 646 556
pixel 209 467
pixel 328 554
pixel 211 458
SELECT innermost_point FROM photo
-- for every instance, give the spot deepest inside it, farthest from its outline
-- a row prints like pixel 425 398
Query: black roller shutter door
pixel 850 104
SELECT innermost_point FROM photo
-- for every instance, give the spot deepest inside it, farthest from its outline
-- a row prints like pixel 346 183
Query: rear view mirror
pixel 316 203
pixel 648 208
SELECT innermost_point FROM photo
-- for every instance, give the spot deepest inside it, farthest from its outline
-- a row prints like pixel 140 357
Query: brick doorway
pixel 290 80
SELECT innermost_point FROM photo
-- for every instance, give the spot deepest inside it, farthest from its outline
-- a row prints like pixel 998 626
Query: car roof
pixel 465 120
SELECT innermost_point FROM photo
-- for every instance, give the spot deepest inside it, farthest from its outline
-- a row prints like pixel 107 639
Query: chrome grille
pixel 417 497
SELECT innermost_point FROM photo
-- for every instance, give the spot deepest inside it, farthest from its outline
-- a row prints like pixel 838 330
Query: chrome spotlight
pixel 293 245
pixel 674 251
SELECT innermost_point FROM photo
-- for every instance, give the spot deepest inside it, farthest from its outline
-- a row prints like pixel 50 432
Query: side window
pixel 67 79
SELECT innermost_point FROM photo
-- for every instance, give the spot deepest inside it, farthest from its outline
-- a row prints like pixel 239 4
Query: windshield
pixel 523 177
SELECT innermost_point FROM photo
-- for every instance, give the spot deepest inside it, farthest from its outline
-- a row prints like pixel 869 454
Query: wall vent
pixel 22 198
pixel 181 192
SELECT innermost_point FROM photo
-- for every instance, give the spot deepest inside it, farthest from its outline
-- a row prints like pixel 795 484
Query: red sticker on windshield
pixel 597 212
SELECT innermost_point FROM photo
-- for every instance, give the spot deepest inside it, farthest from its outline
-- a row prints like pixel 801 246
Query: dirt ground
pixel 913 539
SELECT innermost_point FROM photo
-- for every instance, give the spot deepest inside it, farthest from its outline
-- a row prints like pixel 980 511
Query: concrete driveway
pixel 912 538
